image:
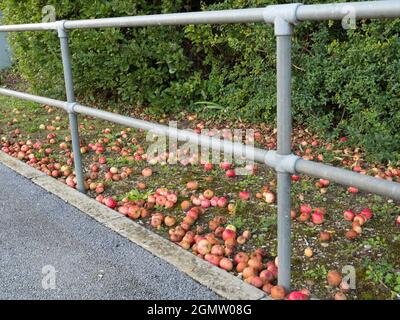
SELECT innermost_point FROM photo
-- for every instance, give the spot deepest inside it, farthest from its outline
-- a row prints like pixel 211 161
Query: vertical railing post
pixel 283 33
pixel 73 118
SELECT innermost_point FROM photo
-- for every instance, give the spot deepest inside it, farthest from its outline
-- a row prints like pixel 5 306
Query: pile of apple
pixel 208 199
pixel 217 246
pixel 39 157
pixel 357 220
pixel 317 217
pixel 132 209
pixel 163 198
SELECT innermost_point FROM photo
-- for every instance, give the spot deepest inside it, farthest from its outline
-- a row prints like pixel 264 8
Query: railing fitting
pixel 70 107
pixel 281 163
pixel 283 16
pixel 61 30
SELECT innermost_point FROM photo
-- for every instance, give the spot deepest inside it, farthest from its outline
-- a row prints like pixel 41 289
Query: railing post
pixel 73 118
pixel 283 32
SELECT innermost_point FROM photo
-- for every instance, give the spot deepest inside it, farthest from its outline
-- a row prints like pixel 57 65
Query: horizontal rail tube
pixel 361 10
pixel 29 27
pixel 349 178
pixel 338 175
pixel 235 148
pixel 33 98
pixel 204 17
pixel 170 19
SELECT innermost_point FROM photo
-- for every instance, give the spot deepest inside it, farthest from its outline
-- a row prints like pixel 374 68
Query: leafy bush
pixel 142 66
pixel 344 81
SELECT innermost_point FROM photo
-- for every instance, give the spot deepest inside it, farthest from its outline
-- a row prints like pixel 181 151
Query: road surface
pixel 50 250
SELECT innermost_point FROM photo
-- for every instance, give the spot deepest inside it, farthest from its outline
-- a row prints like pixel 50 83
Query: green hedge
pixel 345 82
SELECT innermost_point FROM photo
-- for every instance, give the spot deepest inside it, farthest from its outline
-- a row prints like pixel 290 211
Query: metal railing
pixel 283 17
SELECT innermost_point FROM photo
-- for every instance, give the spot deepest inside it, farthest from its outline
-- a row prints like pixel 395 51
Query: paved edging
pixel 221 282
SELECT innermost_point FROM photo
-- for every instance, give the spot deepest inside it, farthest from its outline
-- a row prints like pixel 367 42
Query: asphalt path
pixel 51 250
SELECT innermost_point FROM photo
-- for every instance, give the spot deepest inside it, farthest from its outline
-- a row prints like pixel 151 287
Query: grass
pixel 380 237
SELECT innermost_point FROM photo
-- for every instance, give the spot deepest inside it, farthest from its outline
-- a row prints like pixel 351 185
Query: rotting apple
pixel 334 278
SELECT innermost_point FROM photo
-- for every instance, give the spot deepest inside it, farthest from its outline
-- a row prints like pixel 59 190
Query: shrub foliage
pixel 344 81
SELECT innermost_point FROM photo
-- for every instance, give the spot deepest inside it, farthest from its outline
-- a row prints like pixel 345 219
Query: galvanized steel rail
pixel 284 18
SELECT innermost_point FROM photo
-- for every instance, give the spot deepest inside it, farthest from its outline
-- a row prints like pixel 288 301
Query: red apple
pixel 217 250
pixel 228 234
pixel 367 213
pixel 352 190
pixel 225 165
pixel 295 177
pixel 324 182
pixel 222 202
pixel 304 217
pixel 360 219
pixel 304 208
pixel 297 295
pixel 348 215
pixel 102 160
pixel 214 201
pixel 205 203
pixel 266 276
pixel 244 195
pixel 226 264
pixel 317 218
pixel 241 257
pixel 230 173
pixel 213 259
pixel 110 202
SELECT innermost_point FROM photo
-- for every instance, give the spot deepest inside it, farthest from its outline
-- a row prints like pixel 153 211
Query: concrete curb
pixel 228 286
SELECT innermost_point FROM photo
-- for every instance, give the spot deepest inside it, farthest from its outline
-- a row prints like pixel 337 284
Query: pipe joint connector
pixel 70 108
pixel 281 163
pixel 62 32
pixel 283 16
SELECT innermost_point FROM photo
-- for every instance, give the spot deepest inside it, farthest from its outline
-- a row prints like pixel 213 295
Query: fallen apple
pixel 348 215
pixel 297 295
pixel 110 202
pixel 334 278
pixel 147 172
pixel 230 173
pixel 340 296
pixel 244 195
pixel 269 197
pixel 226 264
pixel 308 252
pixel 278 293
pixel 324 236
pixel 304 208
pixel 317 218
